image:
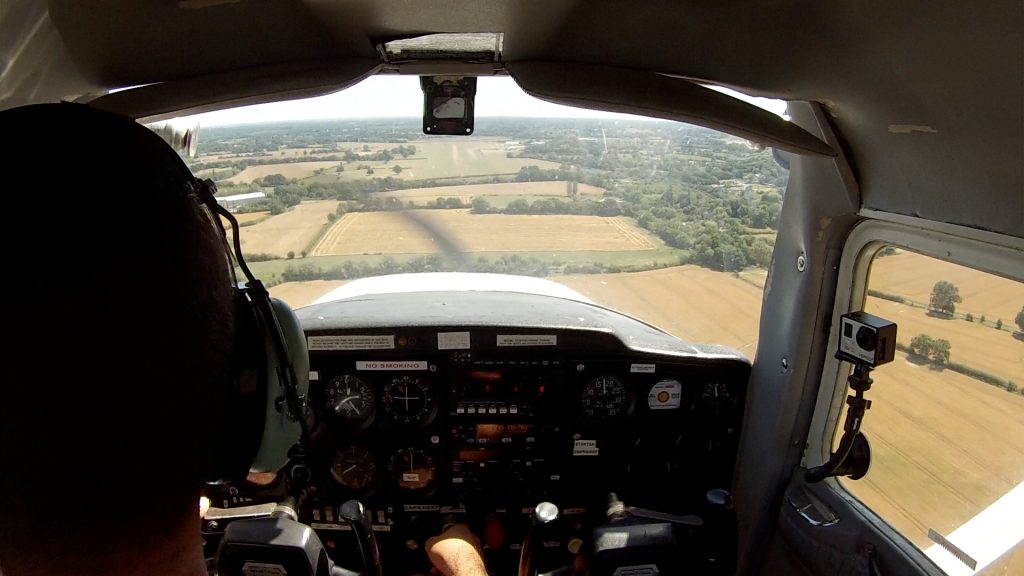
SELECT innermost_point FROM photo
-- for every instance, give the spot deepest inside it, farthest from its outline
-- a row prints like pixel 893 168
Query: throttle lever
pixel 353 513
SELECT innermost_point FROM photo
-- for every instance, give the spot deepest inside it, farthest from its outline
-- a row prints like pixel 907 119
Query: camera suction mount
pixel 866 341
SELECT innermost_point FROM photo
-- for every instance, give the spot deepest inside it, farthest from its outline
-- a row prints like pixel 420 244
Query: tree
pixel 482 206
pixel 940 351
pixel 1020 319
pixel 396 169
pixel 999 323
pixel 274 180
pixel 945 296
pixel 935 350
pixel 276 206
pixel 921 345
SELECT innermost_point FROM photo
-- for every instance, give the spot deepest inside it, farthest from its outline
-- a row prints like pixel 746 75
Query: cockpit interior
pixel 626 288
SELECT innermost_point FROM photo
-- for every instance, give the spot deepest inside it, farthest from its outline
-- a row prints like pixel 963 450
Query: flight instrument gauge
pixel 605 399
pixel 349 399
pixel 354 468
pixel 412 469
pixel 717 396
pixel 409 401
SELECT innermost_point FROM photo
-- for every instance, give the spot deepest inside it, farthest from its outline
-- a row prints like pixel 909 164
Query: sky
pixel 400 96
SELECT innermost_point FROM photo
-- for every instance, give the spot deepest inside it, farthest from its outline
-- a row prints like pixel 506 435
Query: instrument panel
pixel 426 437
pixel 468 407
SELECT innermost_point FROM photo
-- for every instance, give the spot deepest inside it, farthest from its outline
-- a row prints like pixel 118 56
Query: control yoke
pixel 279 544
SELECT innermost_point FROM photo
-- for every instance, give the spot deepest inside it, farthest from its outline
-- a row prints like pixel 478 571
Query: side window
pixel 946 426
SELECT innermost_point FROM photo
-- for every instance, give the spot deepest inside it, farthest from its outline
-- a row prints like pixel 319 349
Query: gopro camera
pixel 866 339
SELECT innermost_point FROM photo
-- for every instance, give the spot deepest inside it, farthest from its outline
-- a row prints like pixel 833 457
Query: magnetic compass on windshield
pixel 349 400
pixel 409 401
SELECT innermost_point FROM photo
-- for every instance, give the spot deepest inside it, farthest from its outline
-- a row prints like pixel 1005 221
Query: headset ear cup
pixel 245 407
pixel 282 430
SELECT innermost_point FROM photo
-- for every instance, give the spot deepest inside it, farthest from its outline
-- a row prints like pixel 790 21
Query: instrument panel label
pixel 453 340
pixel 392 365
pixel 352 342
pixel 585 448
pixel 641 368
pixel 527 340
pixel 665 395
pixel 421 507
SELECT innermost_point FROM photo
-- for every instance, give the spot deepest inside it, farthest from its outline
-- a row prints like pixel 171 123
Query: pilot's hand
pixel 456 552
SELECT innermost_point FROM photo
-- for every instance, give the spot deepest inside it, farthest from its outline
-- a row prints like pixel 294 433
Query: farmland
pixel 290 170
pixel 442 159
pixel 419 231
pixel 288 232
pixel 434 159
pixel 913 276
pixel 693 303
pixel 944 446
pixel 496 194
pixel 251 217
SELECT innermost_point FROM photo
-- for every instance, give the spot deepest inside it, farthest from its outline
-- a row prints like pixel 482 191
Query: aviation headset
pixel 264 412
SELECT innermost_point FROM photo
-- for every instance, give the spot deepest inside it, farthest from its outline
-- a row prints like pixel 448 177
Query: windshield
pixel 670 223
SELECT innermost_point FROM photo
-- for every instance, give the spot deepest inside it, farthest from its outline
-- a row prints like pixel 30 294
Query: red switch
pixel 494 533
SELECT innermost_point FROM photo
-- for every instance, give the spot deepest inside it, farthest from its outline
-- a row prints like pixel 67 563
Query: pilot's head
pixel 117 329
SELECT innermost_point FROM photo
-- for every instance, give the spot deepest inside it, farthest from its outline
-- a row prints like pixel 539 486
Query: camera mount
pixel 853 456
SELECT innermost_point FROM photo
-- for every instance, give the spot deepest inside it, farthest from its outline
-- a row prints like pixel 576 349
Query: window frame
pixel 976 249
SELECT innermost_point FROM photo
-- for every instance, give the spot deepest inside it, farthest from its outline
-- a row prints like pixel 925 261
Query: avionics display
pixel 504 384
pixel 487 433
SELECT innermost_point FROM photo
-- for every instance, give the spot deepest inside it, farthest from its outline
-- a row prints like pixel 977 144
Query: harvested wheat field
pixel 291 231
pixel 424 231
pixel 247 217
pixel 299 294
pixel 944 447
pixel 913 276
pixel 692 303
pixel 983 347
pixel 288 170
